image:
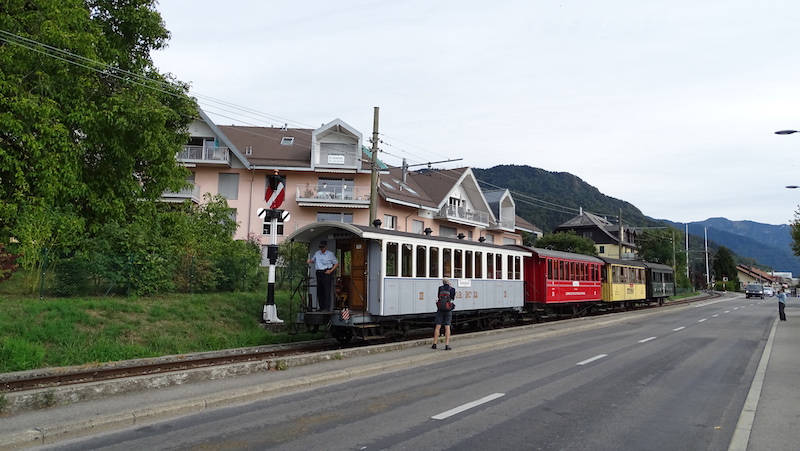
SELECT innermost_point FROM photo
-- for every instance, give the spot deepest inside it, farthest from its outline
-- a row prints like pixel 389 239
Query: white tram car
pixel 387 280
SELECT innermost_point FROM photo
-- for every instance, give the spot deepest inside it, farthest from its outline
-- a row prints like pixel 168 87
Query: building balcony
pixel 205 155
pixel 352 196
pixel 463 216
pixel 193 193
pixel 503 224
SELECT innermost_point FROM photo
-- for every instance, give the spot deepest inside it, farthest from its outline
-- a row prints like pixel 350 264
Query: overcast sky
pixel 669 105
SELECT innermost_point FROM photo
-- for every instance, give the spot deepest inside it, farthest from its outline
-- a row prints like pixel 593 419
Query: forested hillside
pixel 548 199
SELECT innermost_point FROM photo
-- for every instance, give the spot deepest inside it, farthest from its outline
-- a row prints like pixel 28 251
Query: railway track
pixel 66 376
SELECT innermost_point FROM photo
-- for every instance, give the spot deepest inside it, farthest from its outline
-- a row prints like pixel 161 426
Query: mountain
pixel 768 244
pixel 548 199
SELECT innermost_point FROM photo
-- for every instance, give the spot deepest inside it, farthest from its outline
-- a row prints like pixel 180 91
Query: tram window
pixel 447 263
pixel 490 265
pixel 479 265
pixel 391 259
pixel 468 264
pixel 498 267
pixel 549 269
pixel 408 260
pixel 616 276
pixel 458 262
pixel 562 273
pixel 517 268
pixel 434 262
pixel 510 268
pixel 422 259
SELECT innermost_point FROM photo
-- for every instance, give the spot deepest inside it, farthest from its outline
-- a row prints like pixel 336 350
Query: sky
pixel 669 105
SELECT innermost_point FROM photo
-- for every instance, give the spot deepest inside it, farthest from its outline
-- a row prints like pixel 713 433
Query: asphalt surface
pixel 769 419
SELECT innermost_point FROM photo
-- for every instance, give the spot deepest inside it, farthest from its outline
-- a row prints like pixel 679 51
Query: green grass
pixel 38 333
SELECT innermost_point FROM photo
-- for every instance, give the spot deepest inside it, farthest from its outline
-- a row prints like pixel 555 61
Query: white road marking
pixel 700 321
pixel 714 316
pixel 467 406
pixel 597 357
pixel 726 311
pixel 679 328
pixel 647 339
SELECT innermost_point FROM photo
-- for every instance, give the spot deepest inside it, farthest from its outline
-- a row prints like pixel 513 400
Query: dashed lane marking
pixel 467 406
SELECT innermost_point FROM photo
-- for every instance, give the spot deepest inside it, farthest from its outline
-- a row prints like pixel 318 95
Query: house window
pixel 229 186
pixel 390 222
pixel 417 226
pixel 335 188
pixel 287 140
pixel 602 250
pixel 449 232
pixel 346 218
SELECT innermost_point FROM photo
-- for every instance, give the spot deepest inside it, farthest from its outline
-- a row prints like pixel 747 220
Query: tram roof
pixel 308 232
pixel 562 255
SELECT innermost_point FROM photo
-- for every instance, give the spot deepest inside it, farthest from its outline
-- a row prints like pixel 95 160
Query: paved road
pixel 674 380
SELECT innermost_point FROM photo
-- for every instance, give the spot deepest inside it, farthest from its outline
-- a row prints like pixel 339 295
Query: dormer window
pixel 287 140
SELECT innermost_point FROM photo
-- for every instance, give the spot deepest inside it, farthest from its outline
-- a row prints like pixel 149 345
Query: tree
pixel 567 242
pixel 725 266
pixel 88 127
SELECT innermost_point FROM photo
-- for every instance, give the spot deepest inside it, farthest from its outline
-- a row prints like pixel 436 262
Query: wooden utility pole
pixel 373 186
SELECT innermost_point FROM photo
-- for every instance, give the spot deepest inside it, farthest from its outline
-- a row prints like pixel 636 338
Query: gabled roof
pixel 588 220
pixel 755 273
pixel 440 184
pixel 267 149
pixel 392 188
pixel 525 226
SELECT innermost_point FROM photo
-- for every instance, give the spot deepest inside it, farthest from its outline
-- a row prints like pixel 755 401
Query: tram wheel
pixel 342 334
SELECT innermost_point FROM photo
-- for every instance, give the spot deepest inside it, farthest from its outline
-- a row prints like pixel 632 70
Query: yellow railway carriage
pixel 624 281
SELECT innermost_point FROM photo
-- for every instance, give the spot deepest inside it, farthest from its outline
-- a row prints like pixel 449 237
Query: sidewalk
pixel 769 420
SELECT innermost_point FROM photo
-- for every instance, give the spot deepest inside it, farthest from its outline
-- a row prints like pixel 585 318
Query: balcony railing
pixel 204 154
pixel 454 213
pixel 333 194
pixel 193 193
pixel 506 224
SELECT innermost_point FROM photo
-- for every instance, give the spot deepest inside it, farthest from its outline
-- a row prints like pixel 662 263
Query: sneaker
pixel 434 346
pixel 447 348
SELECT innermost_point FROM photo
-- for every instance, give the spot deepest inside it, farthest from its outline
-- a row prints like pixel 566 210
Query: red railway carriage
pixel 554 277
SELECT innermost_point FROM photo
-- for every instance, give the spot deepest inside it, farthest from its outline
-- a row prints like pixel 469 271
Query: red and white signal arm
pixel 276 191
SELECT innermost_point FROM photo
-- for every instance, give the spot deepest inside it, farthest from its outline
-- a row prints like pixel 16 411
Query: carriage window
pixel 408 260
pixel 517 268
pixel 549 268
pixel 447 263
pixel 422 257
pixel 479 265
pixel 458 260
pixel 510 268
pixel 391 259
pixel 490 265
pixel 468 264
pixel 562 272
pixel 498 266
pixel 434 262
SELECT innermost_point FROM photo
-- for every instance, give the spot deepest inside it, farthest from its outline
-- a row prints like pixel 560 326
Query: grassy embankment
pixel 53 332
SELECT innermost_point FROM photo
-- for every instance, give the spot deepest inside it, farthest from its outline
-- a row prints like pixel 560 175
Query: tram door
pixel 357 296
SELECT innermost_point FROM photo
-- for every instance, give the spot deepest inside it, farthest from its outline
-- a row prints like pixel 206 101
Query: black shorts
pixel 443 318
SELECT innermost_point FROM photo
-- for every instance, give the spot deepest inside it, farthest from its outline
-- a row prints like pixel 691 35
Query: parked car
pixel 754 290
pixel 768 291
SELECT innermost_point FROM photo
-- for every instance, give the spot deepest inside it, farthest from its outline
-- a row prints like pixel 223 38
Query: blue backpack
pixel 445 302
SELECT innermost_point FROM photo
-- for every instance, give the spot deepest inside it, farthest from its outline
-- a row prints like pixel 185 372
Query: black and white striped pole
pixel 276 191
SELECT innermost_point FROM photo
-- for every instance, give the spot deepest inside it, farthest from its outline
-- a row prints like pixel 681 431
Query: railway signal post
pixel 276 192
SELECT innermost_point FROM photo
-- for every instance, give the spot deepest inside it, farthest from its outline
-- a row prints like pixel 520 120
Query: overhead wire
pixel 241 111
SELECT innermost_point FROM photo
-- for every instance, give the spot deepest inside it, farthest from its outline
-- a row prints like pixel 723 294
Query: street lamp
pixel 785 132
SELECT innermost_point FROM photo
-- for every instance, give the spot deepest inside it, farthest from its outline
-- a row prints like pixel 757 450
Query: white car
pixel 768 291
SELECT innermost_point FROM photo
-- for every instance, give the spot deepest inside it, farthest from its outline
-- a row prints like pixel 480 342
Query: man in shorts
pixel 444 317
